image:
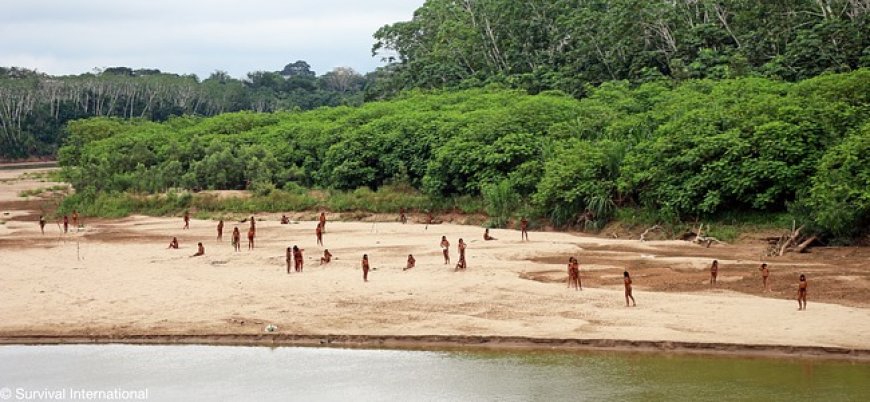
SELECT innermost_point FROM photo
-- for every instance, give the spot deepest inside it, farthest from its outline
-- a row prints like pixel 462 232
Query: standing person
pixel 65 224
pixel 486 235
pixel 75 220
pixel 186 220
pixel 411 263
pixel 200 250
pixel 402 217
pixel 237 239
pixel 220 230
pixel 626 280
pixel 445 249
pixel 765 273
pixel 461 265
pixel 297 257
pixel 802 293
pixel 577 274
pixel 714 272
pixel 323 221
pixel 319 233
pixel 289 258
pixel 42 224
pixel 365 267
pixel 253 225
pixel 173 244
pixel 572 280
pixel 252 232
pixel 524 229
pixel 327 257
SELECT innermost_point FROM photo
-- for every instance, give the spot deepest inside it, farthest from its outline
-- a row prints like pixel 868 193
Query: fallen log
pixel 806 243
pixel 646 232
pixel 794 236
pixel 708 240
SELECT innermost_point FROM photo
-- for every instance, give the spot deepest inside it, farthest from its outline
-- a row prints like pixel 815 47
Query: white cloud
pixel 200 36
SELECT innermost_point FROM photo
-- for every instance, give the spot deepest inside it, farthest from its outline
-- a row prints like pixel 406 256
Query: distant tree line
pixel 35 107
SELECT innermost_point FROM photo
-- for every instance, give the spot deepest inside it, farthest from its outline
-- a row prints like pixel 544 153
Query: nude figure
pixel 411 263
pixel 571 280
pixel 626 279
pixel 714 272
pixel 200 250
pixel 445 249
pixel 297 258
pixel 524 229
pixel 319 234
pixel 365 267
pixel 237 239
pixel 802 293
pixel 576 267
pixel 461 265
pixel 765 273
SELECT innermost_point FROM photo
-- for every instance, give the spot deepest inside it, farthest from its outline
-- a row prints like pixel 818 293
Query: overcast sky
pixel 194 36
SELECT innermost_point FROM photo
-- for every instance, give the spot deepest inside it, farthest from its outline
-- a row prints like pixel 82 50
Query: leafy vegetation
pixel 56 189
pixel 539 45
pixel 388 199
pixel 690 150
pixel 35 107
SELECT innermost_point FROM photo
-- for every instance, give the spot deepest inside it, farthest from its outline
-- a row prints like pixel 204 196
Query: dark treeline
pixel 35 107
pixel 566 44
pixel 689 150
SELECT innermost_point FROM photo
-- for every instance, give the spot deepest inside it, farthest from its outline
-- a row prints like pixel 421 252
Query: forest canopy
pixel 691 149
pixel 539 45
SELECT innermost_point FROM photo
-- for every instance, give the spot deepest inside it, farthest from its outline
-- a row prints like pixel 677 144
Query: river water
pixel 193 373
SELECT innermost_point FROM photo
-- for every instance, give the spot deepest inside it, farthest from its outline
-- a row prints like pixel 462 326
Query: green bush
pixel 839 199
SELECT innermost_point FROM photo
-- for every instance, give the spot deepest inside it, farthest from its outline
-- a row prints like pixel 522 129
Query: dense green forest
pixel 690 149
pixel 566 44
pixel 536 45
pixel 35 107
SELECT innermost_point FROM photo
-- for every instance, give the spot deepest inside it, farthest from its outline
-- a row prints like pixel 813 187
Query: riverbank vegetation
pixel 692 150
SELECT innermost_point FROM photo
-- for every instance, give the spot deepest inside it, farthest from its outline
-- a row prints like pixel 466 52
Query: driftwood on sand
pixel 792 241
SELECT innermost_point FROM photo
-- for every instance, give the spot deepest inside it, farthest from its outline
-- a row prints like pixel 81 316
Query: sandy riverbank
pixel 116 280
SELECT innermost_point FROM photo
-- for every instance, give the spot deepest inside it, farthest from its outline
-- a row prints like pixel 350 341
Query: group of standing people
pixel 765 282
pixel 575 282
pixel 445 249
pixel 65 221
pixel 236 239
pixel 294 257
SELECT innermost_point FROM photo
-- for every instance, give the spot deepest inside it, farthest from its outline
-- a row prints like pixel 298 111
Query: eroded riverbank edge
pixel 454 343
